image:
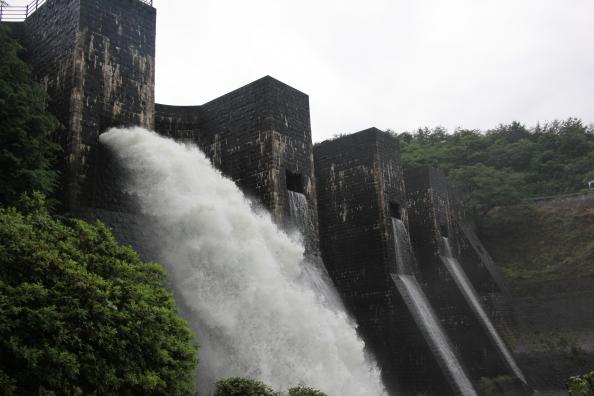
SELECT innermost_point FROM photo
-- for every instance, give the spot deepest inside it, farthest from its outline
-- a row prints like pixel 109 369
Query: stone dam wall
pixel 96 59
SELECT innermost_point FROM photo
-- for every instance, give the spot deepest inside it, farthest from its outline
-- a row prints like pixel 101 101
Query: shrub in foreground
pixel 581 385
pixel 80 314
pixel 305 391
pixel 237 386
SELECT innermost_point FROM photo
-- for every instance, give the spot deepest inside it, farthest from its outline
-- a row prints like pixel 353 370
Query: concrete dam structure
pixel 426 296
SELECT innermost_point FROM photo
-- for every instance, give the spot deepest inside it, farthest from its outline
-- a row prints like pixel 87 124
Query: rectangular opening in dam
pixel 294 182
pixel 395 210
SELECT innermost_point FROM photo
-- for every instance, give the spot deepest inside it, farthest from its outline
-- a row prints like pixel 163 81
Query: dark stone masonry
pixel 96 59
pixel 258 135
pixel 359 180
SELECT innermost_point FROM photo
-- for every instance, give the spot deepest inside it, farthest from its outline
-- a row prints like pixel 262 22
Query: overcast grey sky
pixel 394 64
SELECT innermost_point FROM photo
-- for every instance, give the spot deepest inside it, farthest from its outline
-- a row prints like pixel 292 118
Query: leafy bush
pixel 305 391
pixel 581 385
pixel 26 148
pixel 80 314
pixel 237 386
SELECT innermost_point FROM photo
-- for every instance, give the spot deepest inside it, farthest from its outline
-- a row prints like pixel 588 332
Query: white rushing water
pixel 404 255
pixel 240 279
pixel 301 216
pixel 423 314
pixel 438 342
pixel 315 273
pixel 471 296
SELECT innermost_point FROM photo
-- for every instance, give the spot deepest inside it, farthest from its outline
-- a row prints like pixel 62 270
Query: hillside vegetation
pixel 540 248
pixel 497 171
pixel 509 163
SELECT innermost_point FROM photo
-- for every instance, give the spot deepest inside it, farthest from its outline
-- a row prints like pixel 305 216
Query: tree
pixel 237 386
pixel 26 148
pixel 80 314
pixel 508 163
pixel 305 391
pixel 485 188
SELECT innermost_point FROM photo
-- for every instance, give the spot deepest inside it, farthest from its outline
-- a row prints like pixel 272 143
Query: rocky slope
pixel 546 251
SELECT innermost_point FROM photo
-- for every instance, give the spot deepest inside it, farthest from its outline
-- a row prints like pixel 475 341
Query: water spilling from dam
pixel 423 314
pixel 472 298
pixel 248 294
pixel 314 272
pixel 301 217
pixel 404 255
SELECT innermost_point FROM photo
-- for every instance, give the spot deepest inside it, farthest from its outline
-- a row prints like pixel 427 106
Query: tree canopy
pixel 26 147
pixel 80 314
pixel 511 162
pixel 238 386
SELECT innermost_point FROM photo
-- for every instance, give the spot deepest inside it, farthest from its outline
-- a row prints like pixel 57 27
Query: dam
pixel 395 244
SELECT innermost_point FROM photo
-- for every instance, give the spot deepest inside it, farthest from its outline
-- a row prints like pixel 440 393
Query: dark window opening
pixel 443 229
pixel 294 182
pixel 395 210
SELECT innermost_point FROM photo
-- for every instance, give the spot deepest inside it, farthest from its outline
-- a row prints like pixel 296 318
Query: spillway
pixel 423 314
pixel 257 307
pixel 472 298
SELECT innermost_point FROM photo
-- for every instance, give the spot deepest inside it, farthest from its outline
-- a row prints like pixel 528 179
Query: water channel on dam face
pixel 472 298
pixel 424 315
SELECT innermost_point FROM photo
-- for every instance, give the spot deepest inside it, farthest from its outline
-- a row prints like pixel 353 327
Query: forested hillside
pixel 509 163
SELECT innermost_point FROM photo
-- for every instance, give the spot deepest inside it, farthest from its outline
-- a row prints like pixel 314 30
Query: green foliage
pixel 26 150
pixel 237 386
pixel 305 391
pixel 80 314
pixel 581 385
pixel 486 187
pixel 493 386
pixel 537 247
pixel 511 162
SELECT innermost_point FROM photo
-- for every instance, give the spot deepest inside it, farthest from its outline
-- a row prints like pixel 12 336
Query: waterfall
pixel 314 270
pixel 404 255
pixel 239 278
pixel 434 335
pixel 423 314
pixel 473 300
pixel 302 218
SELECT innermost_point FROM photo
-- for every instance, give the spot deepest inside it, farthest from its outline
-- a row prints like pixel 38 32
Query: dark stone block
pixel 436 212
pixel 256 135
pixel 96 59
pixel 360 182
